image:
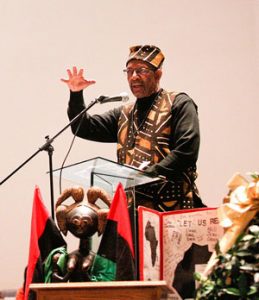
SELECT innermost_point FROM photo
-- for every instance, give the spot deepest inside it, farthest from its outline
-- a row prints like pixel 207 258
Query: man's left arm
pixel 185 139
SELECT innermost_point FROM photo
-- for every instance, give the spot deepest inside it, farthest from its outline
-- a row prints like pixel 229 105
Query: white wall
pixel 211 50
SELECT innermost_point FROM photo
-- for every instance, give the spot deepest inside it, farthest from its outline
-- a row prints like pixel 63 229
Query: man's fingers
pixel 76 79
pixel 90 82
pixel 80 73
pixel 74 71
pixel 69 73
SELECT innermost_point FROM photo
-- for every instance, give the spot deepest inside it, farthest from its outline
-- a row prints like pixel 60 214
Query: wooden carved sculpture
pixel 83 219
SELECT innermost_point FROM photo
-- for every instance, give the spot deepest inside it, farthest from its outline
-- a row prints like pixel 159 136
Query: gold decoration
pixel 239 208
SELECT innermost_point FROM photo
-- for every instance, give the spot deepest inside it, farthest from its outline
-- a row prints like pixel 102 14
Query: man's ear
pixel 158 74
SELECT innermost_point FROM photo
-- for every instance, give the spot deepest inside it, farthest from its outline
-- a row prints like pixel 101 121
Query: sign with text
pixel 173 245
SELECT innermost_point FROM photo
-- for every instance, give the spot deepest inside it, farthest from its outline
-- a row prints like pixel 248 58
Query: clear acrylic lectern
pixel 104 173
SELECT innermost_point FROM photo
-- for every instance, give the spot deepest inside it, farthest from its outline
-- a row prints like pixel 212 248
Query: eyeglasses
pixel 138 71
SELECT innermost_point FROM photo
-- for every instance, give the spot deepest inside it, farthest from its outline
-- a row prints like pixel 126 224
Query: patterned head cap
pixel 147 53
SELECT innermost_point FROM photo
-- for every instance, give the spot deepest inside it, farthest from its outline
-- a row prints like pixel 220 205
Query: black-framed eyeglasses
pixel 138 71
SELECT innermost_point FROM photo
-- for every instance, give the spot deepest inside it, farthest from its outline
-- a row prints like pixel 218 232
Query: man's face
pixel 142 79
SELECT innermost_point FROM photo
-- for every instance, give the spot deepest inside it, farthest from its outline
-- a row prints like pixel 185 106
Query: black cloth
pixel 184 123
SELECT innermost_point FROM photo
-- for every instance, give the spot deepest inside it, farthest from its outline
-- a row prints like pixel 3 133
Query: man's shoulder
pixel 180 99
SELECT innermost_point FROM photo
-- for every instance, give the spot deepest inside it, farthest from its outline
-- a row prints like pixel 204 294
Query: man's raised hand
pixel 76 81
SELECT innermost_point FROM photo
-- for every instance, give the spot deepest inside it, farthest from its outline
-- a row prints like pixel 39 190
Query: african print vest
pixel 150 140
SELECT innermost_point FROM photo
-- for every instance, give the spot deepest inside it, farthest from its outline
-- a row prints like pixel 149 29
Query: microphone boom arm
pixel 49 148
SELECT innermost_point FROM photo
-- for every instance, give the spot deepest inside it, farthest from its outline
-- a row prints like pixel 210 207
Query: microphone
pixel 121 97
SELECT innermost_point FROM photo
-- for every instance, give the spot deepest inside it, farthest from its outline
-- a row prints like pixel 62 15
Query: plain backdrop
pixel 212 53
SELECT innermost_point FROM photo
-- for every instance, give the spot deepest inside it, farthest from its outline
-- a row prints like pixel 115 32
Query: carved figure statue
pixel 83 219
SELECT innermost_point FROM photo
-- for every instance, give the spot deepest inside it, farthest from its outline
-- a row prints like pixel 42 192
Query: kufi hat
pixel 147 53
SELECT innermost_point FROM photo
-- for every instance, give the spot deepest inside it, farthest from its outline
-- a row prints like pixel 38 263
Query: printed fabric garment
pixel 150 141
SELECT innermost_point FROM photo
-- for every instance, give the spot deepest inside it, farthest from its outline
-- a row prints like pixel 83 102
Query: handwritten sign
pixel 174 244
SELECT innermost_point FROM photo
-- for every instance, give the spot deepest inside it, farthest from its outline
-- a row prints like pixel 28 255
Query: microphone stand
pixel 49 148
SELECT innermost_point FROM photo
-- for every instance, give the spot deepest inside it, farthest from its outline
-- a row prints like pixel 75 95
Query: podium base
pixel 112 290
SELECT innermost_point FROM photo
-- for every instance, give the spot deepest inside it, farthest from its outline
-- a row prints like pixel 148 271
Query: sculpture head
pixel 82 221
pixel 83 218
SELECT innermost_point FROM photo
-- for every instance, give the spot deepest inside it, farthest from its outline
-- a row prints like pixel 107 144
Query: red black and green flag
pixel 115 257
pixel 44 237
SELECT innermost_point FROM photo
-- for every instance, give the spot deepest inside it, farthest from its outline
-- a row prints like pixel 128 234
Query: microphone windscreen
pixel 124 96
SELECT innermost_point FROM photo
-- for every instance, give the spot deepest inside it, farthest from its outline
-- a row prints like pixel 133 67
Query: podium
pixel 115 290
pixel 104 173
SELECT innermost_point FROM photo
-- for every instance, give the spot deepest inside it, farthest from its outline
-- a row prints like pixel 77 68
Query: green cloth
pixel 103 269
pixel 61 263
